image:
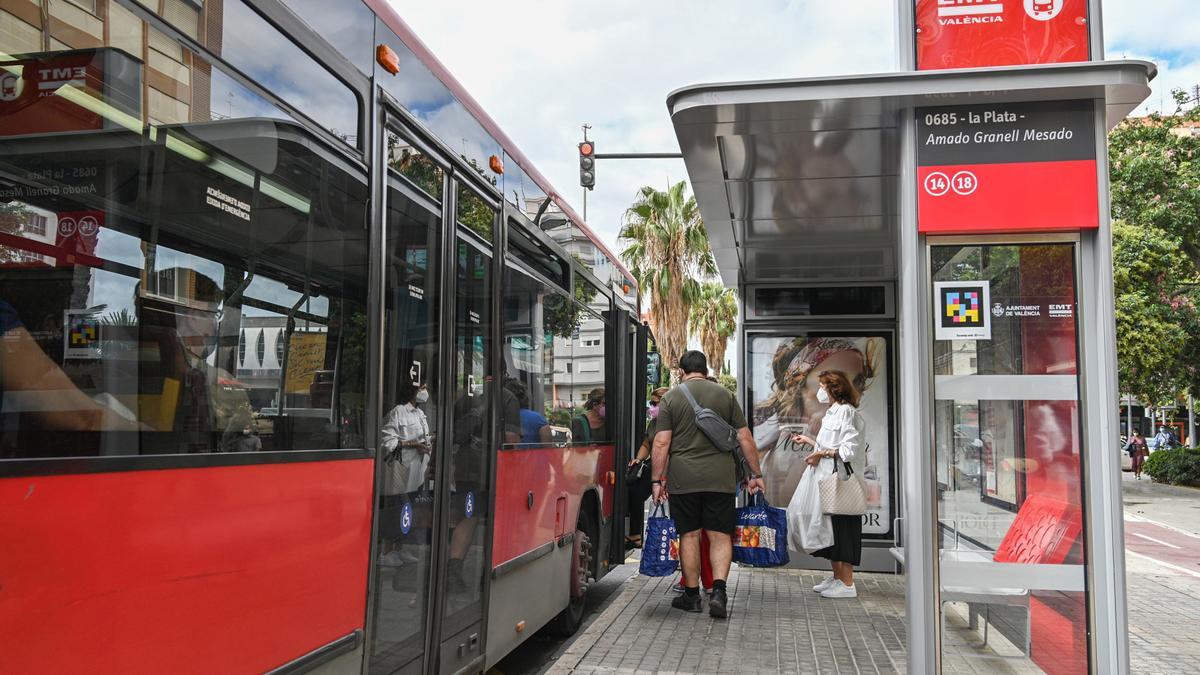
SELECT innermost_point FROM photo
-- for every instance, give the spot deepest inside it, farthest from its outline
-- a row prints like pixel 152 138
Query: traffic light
pixel 587 165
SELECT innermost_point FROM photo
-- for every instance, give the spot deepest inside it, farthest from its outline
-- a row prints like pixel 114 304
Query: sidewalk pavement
pixel 776 625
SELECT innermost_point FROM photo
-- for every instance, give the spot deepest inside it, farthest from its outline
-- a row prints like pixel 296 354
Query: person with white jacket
pixel 841 440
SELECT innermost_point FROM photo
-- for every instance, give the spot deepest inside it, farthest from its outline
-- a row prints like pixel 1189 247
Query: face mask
pixel 601 410
pixel 823 395
pixel 422 396
pixel 653 412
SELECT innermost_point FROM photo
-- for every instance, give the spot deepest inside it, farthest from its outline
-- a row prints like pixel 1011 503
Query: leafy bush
pixel 1179 466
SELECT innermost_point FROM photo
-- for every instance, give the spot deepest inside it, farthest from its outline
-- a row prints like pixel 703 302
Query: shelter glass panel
pixel 1009 456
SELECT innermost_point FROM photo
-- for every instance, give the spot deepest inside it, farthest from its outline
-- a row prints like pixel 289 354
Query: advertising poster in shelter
pixel 783 374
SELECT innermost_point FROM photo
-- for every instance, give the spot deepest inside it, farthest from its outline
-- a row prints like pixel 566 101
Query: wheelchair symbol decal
pixel 469 508
pixel 406 519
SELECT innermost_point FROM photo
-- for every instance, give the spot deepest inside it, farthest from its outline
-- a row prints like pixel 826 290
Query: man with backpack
pixel 700 430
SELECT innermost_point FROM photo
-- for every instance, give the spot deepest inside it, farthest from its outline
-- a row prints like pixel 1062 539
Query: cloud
pixel 544 68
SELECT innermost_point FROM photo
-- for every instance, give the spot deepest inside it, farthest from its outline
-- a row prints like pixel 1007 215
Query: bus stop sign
pixel 1007 167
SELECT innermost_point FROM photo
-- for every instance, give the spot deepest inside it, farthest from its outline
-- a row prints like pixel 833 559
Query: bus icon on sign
pixel 11 86
pixel 1043 10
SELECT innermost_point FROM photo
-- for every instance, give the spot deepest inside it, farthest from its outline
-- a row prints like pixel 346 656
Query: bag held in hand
pixel 713 426
pixel 660 546
pixel 843 496
pixel 760 537
pixel 634 473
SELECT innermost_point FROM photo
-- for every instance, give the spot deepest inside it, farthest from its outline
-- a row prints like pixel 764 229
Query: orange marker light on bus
pixel 388 58
pixel 496 165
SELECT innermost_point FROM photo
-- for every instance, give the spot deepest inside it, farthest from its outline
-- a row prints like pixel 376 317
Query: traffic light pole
pixel 639 155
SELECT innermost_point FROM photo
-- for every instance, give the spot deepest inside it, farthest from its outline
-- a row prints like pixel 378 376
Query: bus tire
pixel 570 618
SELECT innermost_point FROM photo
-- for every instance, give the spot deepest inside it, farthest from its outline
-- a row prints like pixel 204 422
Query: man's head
pixel 693 362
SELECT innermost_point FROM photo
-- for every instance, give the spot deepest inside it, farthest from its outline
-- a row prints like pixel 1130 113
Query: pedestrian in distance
pixel 1138 452
pixel 841 439
pixel 701 479
pixel 1164 439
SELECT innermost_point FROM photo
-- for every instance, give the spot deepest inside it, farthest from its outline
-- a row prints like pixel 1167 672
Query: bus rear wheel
pixel 571 617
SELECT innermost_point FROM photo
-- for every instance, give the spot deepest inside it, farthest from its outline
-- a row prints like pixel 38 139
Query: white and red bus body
pixel 230 241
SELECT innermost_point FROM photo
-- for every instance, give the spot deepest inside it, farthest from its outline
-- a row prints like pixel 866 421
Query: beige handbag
pixel 843 496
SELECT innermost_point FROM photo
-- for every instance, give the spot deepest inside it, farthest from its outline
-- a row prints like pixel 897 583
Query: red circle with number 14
pixel 937 184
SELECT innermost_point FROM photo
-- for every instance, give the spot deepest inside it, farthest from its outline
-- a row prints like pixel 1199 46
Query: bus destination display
pixel 1007 167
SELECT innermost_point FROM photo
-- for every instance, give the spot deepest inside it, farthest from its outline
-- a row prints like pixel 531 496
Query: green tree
pixel 1155 173
pixel 1154 312
pixel 714 321
pixel 1155 176
pixel 667 251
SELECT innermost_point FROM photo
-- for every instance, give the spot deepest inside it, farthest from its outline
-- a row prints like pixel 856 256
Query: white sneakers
pixel 839 590
pixel 825 583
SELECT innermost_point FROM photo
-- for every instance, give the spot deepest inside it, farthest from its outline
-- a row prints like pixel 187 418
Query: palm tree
pixel 714 321
pixel 667 252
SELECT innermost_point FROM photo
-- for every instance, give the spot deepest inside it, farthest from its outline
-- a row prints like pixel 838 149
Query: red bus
pixel 296 348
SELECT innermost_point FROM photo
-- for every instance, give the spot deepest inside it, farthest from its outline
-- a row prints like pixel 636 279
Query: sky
pixel 543 68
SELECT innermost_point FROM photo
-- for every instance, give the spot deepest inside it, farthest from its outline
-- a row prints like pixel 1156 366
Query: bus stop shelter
pixel 870 225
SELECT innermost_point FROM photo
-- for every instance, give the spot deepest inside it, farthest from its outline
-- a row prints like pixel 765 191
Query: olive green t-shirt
pixel 695 464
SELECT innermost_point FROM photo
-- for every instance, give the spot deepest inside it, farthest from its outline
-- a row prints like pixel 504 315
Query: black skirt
pixel 847 541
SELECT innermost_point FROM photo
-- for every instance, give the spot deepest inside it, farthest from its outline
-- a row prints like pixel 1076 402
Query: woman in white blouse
pixel 842 439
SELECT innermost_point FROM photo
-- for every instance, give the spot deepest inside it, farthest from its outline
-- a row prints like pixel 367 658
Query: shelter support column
pixel 1104 521
pixel 916 439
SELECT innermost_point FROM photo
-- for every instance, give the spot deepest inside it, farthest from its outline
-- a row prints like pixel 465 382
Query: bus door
pixel 476 400
pixel 406 496
pixel 630 422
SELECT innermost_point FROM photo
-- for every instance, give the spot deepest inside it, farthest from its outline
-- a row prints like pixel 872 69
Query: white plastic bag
pixel 809 529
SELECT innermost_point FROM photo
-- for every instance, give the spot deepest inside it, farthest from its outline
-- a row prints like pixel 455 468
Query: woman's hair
pixel 407 392
pixel 839 387
pixel 660 392
pixel 796 359
pixel 595 398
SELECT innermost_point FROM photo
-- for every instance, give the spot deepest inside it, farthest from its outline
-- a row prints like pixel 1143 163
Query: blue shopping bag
pixel 660 547
pixel 760 537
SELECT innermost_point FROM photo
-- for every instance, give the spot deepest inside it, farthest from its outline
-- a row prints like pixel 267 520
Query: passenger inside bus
pixel 213 413
pixel 592 426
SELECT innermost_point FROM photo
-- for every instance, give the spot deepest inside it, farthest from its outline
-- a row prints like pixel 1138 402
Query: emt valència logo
pixel 962 12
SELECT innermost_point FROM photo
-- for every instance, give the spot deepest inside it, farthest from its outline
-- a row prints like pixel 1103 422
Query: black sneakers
pixel 688 603
pixel 717 604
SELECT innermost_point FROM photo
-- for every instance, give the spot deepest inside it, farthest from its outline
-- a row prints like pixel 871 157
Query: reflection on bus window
pixel 475 213
pixel 175 279
pixel 408 160
pixel 554 360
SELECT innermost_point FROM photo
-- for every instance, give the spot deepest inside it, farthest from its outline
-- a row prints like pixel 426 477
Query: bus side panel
pixel 549 473
pixel 222 569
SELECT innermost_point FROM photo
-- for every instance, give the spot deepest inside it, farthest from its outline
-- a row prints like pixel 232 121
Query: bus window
pixel 348 26
pixel 537 349
pixel 184 288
